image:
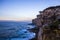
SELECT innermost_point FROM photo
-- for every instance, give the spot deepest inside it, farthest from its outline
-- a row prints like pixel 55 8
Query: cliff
pixel 48 24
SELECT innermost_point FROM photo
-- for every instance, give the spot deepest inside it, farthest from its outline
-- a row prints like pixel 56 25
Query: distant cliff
pixel 48 22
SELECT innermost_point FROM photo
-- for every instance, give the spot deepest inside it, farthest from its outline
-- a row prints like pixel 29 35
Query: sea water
pixel 11 30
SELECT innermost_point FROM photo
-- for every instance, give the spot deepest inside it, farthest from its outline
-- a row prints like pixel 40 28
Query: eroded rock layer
pixel 48 22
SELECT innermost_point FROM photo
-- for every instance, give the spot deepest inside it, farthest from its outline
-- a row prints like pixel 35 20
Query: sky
pixel 23 9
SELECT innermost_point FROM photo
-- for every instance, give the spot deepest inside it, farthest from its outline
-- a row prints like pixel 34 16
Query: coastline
pixel 48 24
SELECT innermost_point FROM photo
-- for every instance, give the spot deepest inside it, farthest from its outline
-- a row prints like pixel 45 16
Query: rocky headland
pixel 48 24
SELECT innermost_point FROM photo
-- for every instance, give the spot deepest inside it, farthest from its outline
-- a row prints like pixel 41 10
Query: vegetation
pixel 53 32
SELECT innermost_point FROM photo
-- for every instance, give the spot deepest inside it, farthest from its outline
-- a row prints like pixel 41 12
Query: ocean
pixel 14 30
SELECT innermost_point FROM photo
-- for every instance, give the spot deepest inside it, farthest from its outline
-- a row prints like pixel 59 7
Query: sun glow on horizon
pixel 16 19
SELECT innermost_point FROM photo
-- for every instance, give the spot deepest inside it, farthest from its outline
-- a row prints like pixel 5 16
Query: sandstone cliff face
pixel 48 22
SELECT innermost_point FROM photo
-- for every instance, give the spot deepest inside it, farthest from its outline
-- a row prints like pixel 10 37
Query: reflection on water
pixel 15 31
